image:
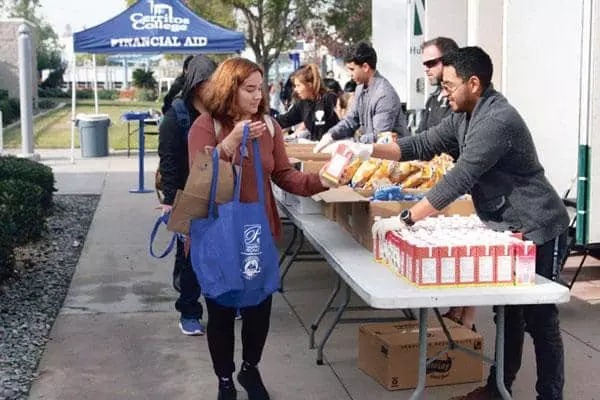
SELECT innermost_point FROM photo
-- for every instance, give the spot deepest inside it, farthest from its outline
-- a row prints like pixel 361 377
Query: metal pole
pixel 96 107
pixel 25 90
pixel 73 104
pixel 1 134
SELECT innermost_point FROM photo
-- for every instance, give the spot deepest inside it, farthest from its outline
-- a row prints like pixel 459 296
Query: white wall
pixel 390 42
pixel 542 78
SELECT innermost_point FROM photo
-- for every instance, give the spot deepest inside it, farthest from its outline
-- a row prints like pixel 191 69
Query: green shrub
pixel 3 94
pixel 46 104
pixel 23 207
pixel 85 94
pixel 144 79
pixel 54 93
pixel 108 94
pixel 7 259
pixel 145 95
pixel 13 168
pixel 10 110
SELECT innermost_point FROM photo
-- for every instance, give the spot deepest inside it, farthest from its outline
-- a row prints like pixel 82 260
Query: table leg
pixel 419 392
pixel 500 353
pixel 338 315
pixel 140 188
pixel 315 324
pixel 290 261
pixel 289 246
pixel 128 140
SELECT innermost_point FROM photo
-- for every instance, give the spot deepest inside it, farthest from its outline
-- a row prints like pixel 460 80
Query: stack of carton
pixel 456 251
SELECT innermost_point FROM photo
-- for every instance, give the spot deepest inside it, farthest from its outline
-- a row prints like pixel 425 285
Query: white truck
pixel 546 56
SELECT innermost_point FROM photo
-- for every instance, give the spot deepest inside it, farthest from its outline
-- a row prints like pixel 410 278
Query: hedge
pixel 23 203
pixel 10 110
pixel 7 259
pixel 12 168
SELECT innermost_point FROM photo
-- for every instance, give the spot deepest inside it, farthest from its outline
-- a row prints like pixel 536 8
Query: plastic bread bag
pixel 364 172
pixel 350 171
pixel 383 172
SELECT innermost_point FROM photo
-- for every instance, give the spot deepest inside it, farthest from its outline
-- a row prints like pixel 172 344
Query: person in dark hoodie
pixel 174 170
pixel 176 87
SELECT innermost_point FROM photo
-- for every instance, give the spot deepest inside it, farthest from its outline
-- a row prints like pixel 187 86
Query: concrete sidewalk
pixel 117 336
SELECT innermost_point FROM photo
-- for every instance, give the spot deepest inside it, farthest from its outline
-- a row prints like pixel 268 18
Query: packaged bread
pixel 350 171
pixel 334 169
pixel 365 171
pixel 403 170
pixel 383 172
pixel 418 178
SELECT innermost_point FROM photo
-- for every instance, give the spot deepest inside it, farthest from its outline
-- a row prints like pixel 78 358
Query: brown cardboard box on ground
pixel 389 353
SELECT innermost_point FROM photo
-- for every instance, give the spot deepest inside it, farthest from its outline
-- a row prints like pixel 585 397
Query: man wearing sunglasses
pixel 499 167
pixel 436 107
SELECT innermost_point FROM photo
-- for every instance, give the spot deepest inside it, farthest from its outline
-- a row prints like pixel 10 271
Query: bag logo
pixel 252 251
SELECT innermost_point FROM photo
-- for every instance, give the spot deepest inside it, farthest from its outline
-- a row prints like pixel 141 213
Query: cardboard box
pixel 356 214
pixel 390 354
pixel 329 210
pixel 304 152
pixel 299 204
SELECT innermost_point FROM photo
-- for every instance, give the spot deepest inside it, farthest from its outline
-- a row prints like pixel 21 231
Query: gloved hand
pixel 362 150
pixel 385 225
pixel 326 139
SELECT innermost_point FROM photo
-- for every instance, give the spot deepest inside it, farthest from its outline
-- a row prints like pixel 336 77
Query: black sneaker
pixel 227 390
pixel 250 379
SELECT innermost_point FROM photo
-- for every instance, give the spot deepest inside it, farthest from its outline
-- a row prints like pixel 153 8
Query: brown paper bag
pixel 185 208
pixel 198 182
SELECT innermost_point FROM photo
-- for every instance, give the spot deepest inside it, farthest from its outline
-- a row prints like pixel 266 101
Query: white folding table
pixel 380 288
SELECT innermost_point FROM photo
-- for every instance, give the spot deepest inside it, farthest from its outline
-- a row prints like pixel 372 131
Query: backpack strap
pixel 183 115
pixel 269 122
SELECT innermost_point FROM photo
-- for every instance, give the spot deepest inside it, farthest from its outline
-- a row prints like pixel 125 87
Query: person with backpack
pixel 176 87
pixel 234 98
pixel 174 170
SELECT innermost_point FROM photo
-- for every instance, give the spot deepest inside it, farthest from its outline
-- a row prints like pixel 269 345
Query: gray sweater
pixel 376 109
pixel 498 164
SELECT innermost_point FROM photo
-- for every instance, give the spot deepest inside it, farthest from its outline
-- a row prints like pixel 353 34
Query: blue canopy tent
pixel 153 27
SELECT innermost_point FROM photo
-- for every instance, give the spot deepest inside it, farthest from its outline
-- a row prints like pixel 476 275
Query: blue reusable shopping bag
pixel 232 250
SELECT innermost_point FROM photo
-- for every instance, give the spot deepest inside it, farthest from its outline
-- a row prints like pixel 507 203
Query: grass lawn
pixel 53 131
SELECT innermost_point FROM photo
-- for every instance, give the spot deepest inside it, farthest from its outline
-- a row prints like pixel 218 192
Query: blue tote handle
pixel 163 219
pixel 212 207
pixel 257 167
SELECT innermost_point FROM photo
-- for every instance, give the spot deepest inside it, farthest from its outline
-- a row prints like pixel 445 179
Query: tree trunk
pixel 265 66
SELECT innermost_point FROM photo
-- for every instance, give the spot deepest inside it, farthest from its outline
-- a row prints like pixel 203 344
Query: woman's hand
pixel 231 143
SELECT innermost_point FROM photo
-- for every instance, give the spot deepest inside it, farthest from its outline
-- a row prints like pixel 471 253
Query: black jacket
pixel 173 153
pixel 172 137
pixel 436 109
pixel 173 92
pixel 318 115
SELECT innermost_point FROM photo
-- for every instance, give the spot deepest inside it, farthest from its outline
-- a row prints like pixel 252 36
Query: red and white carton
pixel 377 244
pixel 505 263
pixel 524 263
pixel 426 264
pixel 410 261
pixel 466 264
pixel 447 264
pixel 485 269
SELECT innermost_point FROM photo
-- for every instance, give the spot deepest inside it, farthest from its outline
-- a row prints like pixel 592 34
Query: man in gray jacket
pixel 376 106
pixel 499 166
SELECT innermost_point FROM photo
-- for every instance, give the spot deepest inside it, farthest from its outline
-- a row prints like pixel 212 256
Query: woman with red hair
pixel 234 97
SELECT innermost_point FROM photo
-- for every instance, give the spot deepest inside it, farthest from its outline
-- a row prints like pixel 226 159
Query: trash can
pixel 93 134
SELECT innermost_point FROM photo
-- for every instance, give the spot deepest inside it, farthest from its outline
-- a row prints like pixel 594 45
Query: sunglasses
pixel 432 63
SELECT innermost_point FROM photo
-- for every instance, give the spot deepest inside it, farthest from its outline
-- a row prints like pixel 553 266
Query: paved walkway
pixel 116 336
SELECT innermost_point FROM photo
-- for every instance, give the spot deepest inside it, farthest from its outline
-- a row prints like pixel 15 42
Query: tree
pixel 272 26
pixel 47 45
pixel 343 23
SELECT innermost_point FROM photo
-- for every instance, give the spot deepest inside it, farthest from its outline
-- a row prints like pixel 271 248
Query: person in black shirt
pixel 315 106
pixel 436 107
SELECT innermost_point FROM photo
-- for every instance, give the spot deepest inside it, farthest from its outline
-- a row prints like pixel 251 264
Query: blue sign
pixel 158 26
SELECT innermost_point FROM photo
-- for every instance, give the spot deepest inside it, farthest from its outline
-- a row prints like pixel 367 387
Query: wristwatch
pixel 406 217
